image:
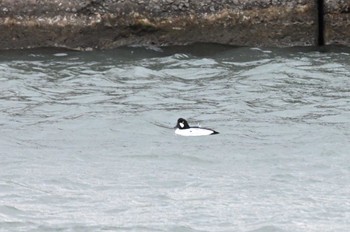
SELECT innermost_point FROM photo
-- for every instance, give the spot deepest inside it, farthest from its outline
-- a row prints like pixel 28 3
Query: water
pixel 87 140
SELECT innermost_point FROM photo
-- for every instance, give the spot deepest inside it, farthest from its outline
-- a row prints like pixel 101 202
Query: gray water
pixel 87 140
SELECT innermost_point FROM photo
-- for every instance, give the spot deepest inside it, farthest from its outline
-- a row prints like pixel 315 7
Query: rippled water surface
pixel 87 140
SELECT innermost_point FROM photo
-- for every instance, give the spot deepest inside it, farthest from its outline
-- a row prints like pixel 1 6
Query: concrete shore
pixel 104 24
pixel 337 22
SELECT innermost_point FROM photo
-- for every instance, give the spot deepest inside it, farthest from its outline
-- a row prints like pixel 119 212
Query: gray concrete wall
pixel 103 24
pixel 337 22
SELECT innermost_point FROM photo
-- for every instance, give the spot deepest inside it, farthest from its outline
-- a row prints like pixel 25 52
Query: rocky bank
pixel 104 24
pixel 337 22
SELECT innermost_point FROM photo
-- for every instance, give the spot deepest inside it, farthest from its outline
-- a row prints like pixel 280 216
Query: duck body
pixel 183 129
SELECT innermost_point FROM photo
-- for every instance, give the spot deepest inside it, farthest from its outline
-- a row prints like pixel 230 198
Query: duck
pixel 183 128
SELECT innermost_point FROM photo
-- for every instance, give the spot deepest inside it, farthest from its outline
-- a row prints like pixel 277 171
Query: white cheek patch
pixel 181 124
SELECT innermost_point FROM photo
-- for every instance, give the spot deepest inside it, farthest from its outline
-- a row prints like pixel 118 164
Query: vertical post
pixel 320 11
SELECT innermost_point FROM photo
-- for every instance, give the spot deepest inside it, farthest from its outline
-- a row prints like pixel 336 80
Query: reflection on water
pixel 87 140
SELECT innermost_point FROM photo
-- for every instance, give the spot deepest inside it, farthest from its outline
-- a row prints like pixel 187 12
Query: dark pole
pixel 320 9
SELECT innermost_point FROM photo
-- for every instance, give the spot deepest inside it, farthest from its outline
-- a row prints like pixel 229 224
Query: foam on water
pixel 87 140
